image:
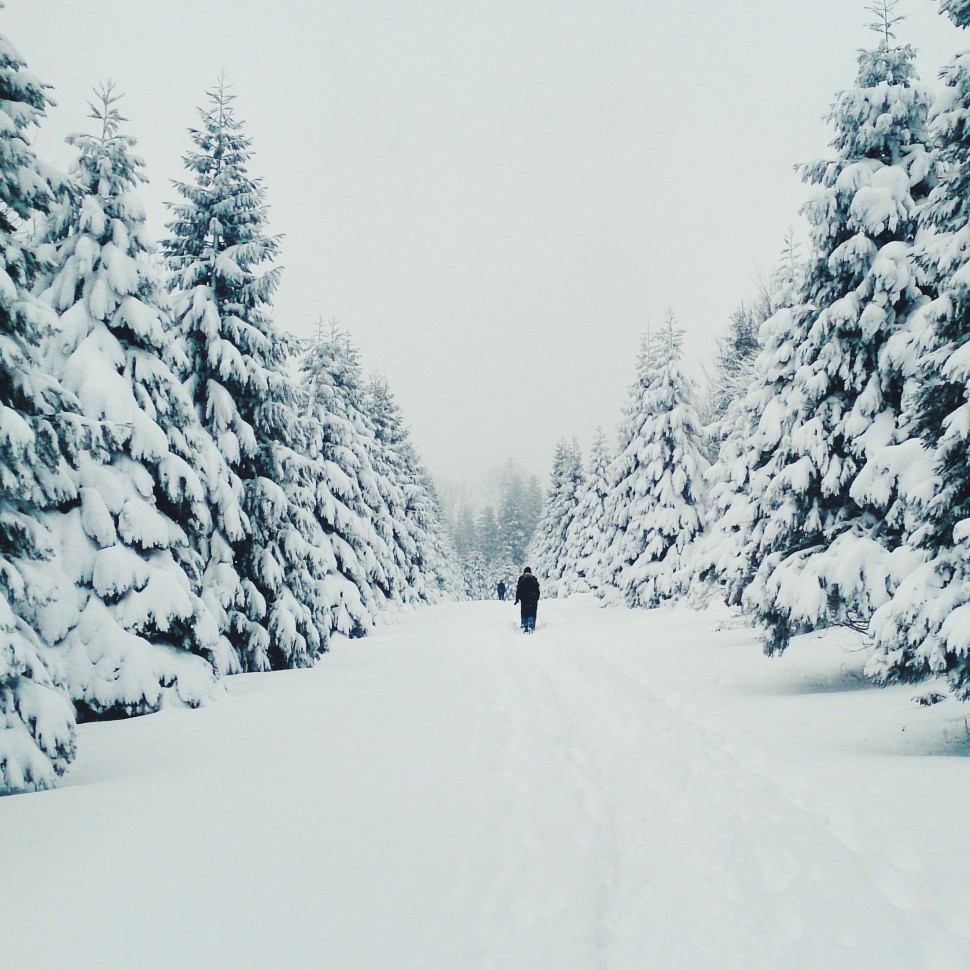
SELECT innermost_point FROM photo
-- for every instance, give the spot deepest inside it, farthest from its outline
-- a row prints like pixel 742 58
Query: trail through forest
pixel 620 790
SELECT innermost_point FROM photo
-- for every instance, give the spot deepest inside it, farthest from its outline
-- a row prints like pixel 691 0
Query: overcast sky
pixel 494 198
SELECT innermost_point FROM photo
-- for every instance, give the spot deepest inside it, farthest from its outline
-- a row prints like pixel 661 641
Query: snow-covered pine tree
pixel 348 420
pixel 477 577
pixel 386 496
pixel 833 458
pixel 341 444
pixel 223 281
pixel 414 520
pixel 717 563
pixel 519 508
pixel 489 539
pixel 924 629
pixel 733 372
pixel 37 740
pixel 786 281
pixel 142 627
pixel 583 548
pixel 655 504
pixel 463 531
pixel 442 553
pixel 616 513
pixel 439 556
pixel 548 551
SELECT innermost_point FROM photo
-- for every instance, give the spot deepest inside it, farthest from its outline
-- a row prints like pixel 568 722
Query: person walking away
pixel 527 593
pixel 501 590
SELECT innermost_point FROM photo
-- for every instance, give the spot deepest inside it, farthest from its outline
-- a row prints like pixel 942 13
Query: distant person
pixel 527 593
pixel 501 590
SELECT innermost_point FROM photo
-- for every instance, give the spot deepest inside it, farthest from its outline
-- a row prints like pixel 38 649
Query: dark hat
pixel 527 570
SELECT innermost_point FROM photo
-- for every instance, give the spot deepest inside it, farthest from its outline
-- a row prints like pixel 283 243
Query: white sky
pixel 495 198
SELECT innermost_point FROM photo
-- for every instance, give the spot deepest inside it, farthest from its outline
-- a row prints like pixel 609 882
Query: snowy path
pixel 619 791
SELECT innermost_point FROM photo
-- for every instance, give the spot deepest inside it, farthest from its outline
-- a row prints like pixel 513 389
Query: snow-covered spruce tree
pixel 489 538
pixel 358 578
pixel 386 495
pixel 477 577
pixel 833 456
pixel 548 551
pixel 519 508
pixel 142 627
pixel 733 372
pixel 464 532
pixel 439 559
pixel 618 503
pixel 717 565
pixel 504 571
pixel 223 281
pixel 416 539
pixel 583 546
pixel 656 498
pixel 786 281
pixel 36 718
pixel 925 629
pixel 348 421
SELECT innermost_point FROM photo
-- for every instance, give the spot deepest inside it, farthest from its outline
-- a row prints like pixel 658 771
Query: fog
pixel 495 199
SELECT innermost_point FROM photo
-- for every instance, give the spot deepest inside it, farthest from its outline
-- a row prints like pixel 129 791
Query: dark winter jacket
pixel 527 590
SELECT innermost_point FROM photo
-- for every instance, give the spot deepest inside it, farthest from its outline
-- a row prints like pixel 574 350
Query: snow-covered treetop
pixel 599 458
pixel 661 401
pixel 223 219
pixel 882 164
pixel 223 279
pixel 104 235
pixel 872 119
pixel 107 173
pixel 787 277
pixel 332 359
pixel 104 109
pixel 884 19
pixel 385 413
pixel 665 346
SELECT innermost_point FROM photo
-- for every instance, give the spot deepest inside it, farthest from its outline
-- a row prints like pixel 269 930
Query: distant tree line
pixel 491 536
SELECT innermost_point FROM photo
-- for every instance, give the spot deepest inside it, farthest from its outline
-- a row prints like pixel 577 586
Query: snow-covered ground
pixel 622 790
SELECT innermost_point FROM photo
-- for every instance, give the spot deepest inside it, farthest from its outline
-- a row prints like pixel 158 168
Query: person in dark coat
pixel 527 593
pixel 501 590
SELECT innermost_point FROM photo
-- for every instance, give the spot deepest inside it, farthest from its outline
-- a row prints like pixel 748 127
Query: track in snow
pixel 451 794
